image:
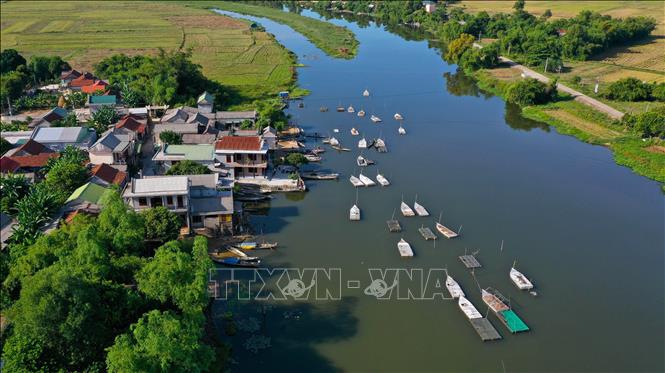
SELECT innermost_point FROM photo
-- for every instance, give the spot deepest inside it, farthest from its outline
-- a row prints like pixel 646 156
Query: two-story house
pixel 169 155
pixel 242 156
pixel 115 147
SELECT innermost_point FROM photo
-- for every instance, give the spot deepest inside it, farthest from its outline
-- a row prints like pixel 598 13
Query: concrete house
pixel 105 175
pixel 97 102
pixel 205 103
pixel 230 119
pixel 115 147
pixel 57 138
pixel 30 147
pixel 49 118
pixel 242 156
pixel 169 155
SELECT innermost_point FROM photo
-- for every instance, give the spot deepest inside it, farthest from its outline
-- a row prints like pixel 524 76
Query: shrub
pixel 530 92
pixel 628 89
pixel 170 137
pixel 649 124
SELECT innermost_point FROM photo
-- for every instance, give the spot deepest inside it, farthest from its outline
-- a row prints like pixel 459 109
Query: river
pixel 587 231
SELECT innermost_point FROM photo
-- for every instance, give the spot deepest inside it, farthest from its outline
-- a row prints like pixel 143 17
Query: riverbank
pixel 336 41
pixel 645 157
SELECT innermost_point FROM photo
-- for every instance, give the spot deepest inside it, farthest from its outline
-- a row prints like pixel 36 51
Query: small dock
pixel 393 226
pixel 485 329
pixel 427 233
pixel 512 322
pixel 470 261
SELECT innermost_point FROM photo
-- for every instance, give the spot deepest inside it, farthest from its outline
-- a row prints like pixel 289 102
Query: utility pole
pixel 546 61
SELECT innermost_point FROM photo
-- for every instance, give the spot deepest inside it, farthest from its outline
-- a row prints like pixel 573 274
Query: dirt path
pixel 578 96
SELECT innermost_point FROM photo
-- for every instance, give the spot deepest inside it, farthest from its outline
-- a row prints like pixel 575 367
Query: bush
pixel 188 167
pixel 480 58
pixel 170 137
pixel 295 159
pixel 628 89
pixel 161 224
pixel 530 91
pixel 457 47
pixel 649 124
pixel 658 92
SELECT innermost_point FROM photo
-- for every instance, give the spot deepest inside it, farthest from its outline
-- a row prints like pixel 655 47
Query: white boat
pixel 401 130
pixel 453 288
pixel 375 119
pixel 361 113
pixel 420 210
pixel 312 158
pixel 361 161
pixel 468 308
pixel 398 116
pixel 354 132
pixel 336 130
pixel 366 93
pixel 362 143
pixel 379 143
pixel 406 210
pixel 354 213
pixel 445 231
pixel 520 280
pixel 356 182
pixel 351 109
pixel 237 252
pixel 334 141
pixel 382 180
pixel 366 180
pixel 493 302
pixel 404 248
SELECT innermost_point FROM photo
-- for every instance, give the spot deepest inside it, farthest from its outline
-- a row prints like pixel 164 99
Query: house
pixel 105 175
pixel 96 102
pixel 57 138
pixel 194 198
pixel 134 123
pixel 269 135
pixel 229 119
pixel 243 156
pixel 205 102
pixel 48 118
pixel 98 86
pixel 30 147
pixel 197 139
pixel 16 137
pixel 177 115
pixel 27 165
pixel 84 200
pixel 115 147
pixel 430 6
pixel 81 81
pixel 169 155
pixel 7 224
pixel 68 76
pixel 181 129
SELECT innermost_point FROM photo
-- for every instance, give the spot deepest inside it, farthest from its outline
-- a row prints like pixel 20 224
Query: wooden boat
pixel 341 109
pixel 323 109
pixel 354 132
pixel 236 252
pixel 404 248
pixel 366 180
pixel 312 158
pixel 267 245
pixel 453 288
pixel 468 308
pixel 493 302
pixel 239 262
pixel 445 231
pixel 318 150
pixel 366 93
pixel 326 140
pixel 354 213
pixel 334 141
pixel 420 210
pixel 247 245
pixel 380 145
pixel 521 281
pixel 351 109
pixel 361 113
pixel 362 143
pixel 382 180
pixel 363 162
pixel 356 182
pixel 318 176
pixel 398 116
pixel 341 149
pixel 401 130
pixel 406 210
pixel 375 119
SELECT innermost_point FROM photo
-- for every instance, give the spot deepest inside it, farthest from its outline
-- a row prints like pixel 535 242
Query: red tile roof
pixel 8 165
pixel 37 160
pixel 83 80
pixel 130 122
pixel 32 147
pixel 239 143
pixel 99 85
pixel 109 174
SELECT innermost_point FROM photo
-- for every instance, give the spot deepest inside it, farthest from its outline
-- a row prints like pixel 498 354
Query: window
pixel 155 201
pixel 252 157
pixel 229 158
pixel 251 170
pixel 180 202
pixel 196 219
pixel 143 201
pixel 169 200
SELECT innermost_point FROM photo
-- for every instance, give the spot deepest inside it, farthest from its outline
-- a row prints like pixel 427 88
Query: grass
pixel 250 62
pixel 567 9
pixel 334 40
pixel 645 157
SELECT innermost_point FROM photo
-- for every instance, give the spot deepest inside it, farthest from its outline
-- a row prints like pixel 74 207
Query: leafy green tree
pixel 12 85
pixel 103 118
pixel 628 89
pixel 68 121
pixel 188 167
pixel 480 58
pixel 130 97
pixel 47 68
pixel 457 47
pixel 161 342
pixel 161 224
pixel 295 159
pixel 76 100
pixel 648 124
pixel 658 92
pixel 529 92
pixel 69 154
pixel 170 137
pixel 66 176
pixel 34 211
pixel 122 229
pixel 13 188
pixel 10 60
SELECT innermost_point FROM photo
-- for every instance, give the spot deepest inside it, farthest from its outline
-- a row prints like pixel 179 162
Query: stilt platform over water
pixel 427 233
pixel 393 226
pixel 470 261
pixel 485 329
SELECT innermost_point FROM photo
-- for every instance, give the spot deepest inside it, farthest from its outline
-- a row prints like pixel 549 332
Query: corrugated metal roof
pixel 59 134
pixel 202 152
pixel 161 184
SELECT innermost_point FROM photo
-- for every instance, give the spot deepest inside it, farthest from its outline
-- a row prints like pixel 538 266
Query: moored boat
pixel 239 262
pixel 363 162
pixel 453 287
pixel 247 245
pixel 406 210
pixel 375 119
pixel 351 109
pixel 521 281
pixel 354 132
pixel 366 93
pixel 362 143
pixel 493 302
pixel 356 182
pixel 341 109
pixel 334 141
pixel 468 308
pixel 319 176
pixel 401 130
pixel 404 248
pixel 420 210
pixel 398 116
pixel 323 109
pixel 361 113
pixel 312 158
pixel 382 180
pixel 318 150
pixel 380 145
pixel 354 213
pixel 445 231
pixel 366 180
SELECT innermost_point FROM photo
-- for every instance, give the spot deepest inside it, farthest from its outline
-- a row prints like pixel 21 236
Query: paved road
pixel 579 96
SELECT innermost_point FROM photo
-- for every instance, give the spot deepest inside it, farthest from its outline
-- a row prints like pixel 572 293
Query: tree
pixel 170 137
pixel 34 211
pixel 69 154
pixel 480 58
pixel 77 100
pixel 188 167
pixel 658 92
pixel 529 92
pixel 518 6
pixel 648 124
pixel 161 224
pixel 296 159
pixel 66 176
pixel 457 47
pixel 628 89
pixel 47 68
pixel 103 118
pixel 10 60
pixel 161 342
pixel 129 96
pixel 12 85
pixel 122 228
pixel 69 120
pixel 13 188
